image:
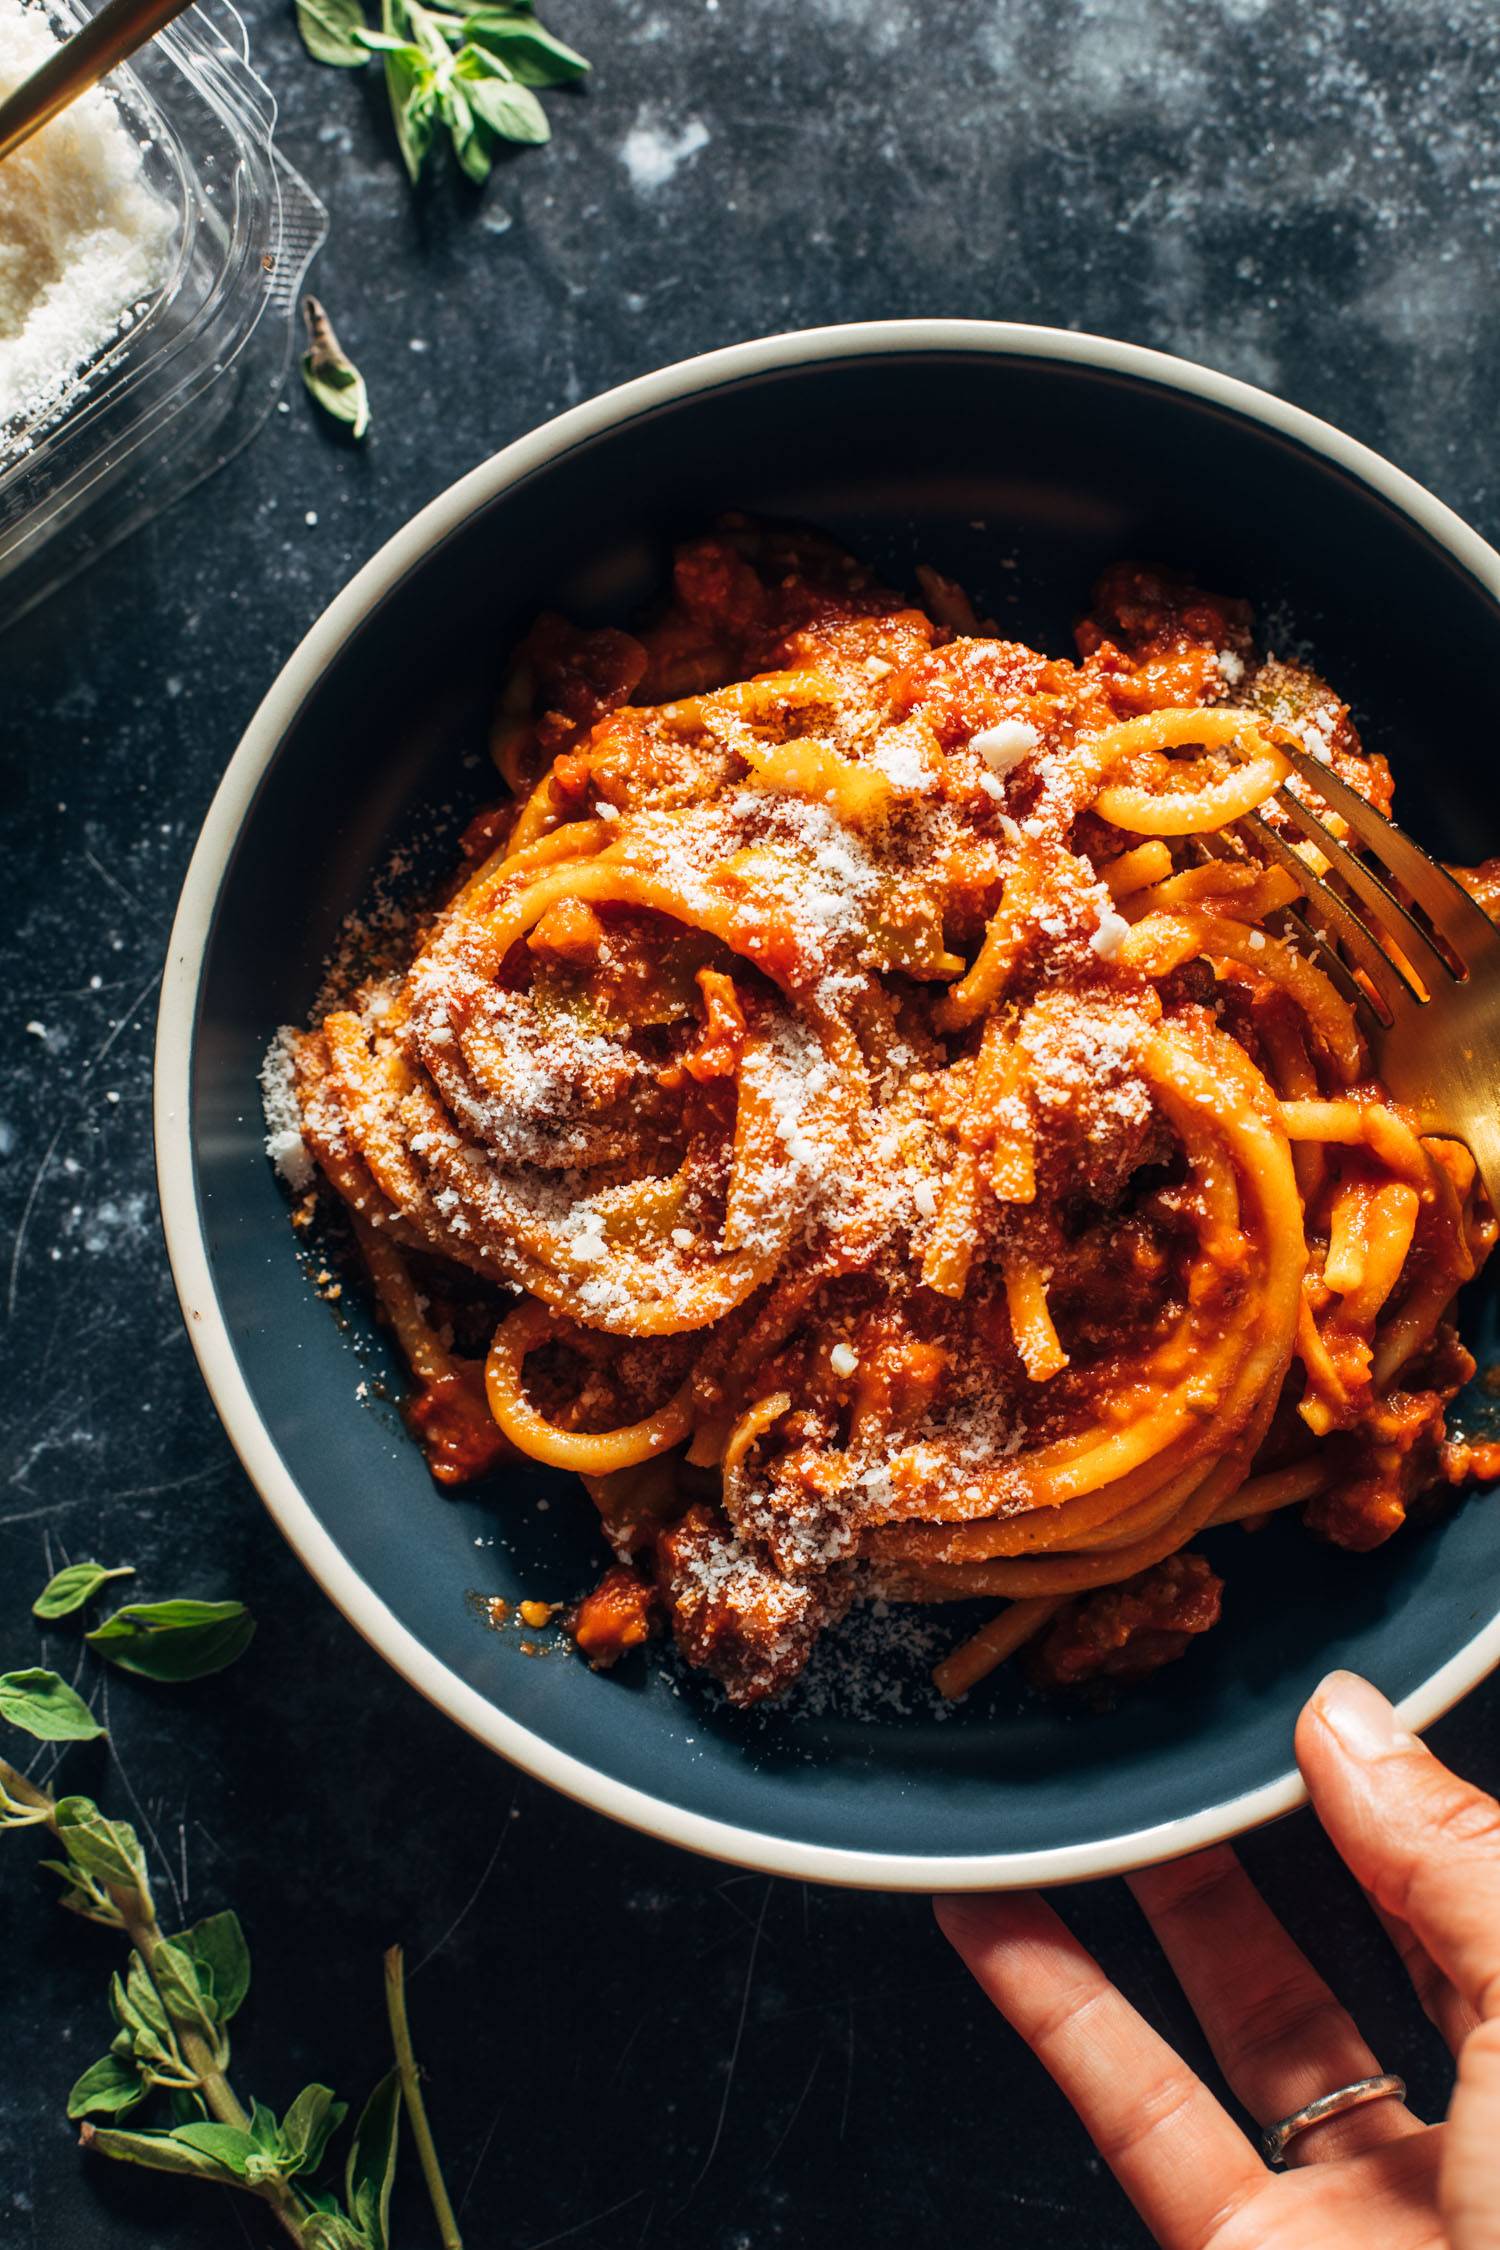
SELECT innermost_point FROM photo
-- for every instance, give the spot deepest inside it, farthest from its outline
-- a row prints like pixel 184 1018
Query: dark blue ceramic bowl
pixel 1019 461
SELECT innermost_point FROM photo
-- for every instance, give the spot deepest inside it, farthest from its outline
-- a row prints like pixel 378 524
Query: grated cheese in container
pixel 152 247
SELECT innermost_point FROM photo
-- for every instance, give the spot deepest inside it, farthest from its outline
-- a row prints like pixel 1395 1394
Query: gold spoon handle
pixel 106 39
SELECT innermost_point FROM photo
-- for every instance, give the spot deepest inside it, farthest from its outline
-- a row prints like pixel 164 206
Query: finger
pixel 1178 2156
pixel 1444 2008
pixel 1467 2202
pixel 1424 1843
pixel 1277 2032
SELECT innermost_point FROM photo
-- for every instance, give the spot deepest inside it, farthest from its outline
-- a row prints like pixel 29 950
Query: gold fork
pixel 1428 993
pixel 80 62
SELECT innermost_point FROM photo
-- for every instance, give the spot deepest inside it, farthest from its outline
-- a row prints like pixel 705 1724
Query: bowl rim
pixel 176 1163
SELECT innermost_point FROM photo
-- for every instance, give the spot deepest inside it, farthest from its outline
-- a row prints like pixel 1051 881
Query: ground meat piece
pixel 1395 1455
pixel 743 597
pixel 1154 639
pixel 451 1421
pixel 1471 1460
pixel 618 1615
pixel 1482 884
pixel 1123 1632
pixel 736 1616
pixel 579 675
pixel 1310 711
pixel 962 688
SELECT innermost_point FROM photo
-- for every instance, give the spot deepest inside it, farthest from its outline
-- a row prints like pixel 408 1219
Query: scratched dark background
pixel 627 2047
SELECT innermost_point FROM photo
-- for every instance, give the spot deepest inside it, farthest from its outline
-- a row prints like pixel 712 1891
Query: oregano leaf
pixel 307 2128
pixel 158 2152
pixel 263 2128
pixel 508 108
pixel 84 1895
pixel 175 1975
pixel 330 375
pixel 231 2144
pixel 105 1849
pixel 330 2230
pixel 329 31
pixel 174 1640
pixel 70 1588
pixel 217 1948
pixel 108 2088
pixel 42 1704
pixel 532 53
pixel 371 2168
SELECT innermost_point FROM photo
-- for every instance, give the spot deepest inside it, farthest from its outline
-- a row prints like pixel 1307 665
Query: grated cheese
pixel 1005 744
pixel 284 1143
pixel 84 240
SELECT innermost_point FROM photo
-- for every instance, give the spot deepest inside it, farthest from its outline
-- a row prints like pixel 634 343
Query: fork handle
pixel 120 27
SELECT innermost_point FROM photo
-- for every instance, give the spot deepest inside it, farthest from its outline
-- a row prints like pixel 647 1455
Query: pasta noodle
pixel 865 1107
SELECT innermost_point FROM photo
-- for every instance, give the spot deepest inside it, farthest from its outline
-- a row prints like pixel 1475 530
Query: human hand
pixel 1426 1848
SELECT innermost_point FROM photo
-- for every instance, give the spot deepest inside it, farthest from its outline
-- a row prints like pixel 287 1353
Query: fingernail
pixel 1359 1715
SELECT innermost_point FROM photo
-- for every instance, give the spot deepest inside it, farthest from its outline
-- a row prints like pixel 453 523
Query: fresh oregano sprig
pixel 174 2003
pixel 469 68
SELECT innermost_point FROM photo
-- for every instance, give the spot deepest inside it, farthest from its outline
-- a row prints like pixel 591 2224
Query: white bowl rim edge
pixel 176 1028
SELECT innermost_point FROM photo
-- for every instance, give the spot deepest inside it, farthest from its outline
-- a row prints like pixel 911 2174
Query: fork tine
pixel 1323 953
pixel 1453 914
pixel 1397 921
pixel 1362 943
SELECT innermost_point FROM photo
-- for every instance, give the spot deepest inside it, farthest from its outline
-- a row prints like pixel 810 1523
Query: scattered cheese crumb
pixel 284 1143
pixel 843 1359
pixel 1005 744
pixel 1111 934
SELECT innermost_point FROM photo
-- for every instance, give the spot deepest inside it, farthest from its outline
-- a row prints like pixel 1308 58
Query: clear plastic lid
pixel 198 368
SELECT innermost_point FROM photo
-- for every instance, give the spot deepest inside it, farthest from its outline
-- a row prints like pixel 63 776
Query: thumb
pixel 1423 1843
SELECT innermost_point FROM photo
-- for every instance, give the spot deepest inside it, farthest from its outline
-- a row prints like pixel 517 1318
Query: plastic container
pixel 195 374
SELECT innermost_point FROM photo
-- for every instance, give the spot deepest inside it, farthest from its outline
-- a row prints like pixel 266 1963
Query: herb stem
pixel 25 1792
pixel 144 1932
pixel 137 1911
pixel 416 2108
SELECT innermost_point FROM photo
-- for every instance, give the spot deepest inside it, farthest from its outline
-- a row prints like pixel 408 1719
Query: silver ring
pixel 1274 2140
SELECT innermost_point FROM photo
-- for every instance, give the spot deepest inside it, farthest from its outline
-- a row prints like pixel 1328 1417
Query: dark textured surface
pixel 626 2046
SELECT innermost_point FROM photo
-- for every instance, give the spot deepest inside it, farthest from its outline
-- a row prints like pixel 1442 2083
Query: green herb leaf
pixel 410 83
pixel 216 1946
pixel 43 1705
pixel 307 2128
pixel 175 1975
pixel 372 2162
pixel 264 2130
pixel 106 1849
pixel 510 110
pixel 84 1896
pixel 329 373
pixel 533 55
pixel 330 31
pixel 108 2088
pixel 470 139
pixel 69 1589
pixel 146 2034
pixel 181 1640
pixel 159 2152
pixel 330 2230
pixel 231 2144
